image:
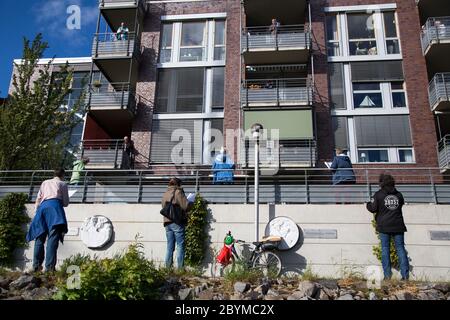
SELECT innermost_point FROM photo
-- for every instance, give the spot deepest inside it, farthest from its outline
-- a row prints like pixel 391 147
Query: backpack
pixel 173 212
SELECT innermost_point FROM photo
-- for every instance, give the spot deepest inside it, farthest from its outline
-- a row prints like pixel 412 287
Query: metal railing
pixel 114 3
pixel 106 154
pixel 444 153
pixel 283 154
pixel 108 45
pixel 434 31
pixel 439 89
pixel 279 92
pixel 308 186
pixel 282 38
pixel 112 96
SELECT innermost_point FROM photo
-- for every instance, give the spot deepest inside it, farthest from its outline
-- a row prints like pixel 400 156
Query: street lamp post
pixel 256 131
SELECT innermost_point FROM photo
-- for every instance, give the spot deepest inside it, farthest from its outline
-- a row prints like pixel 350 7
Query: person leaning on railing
pixel 78 167
pixel 122 32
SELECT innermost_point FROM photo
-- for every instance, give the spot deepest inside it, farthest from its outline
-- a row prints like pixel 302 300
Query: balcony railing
pixel 282 154
pixel 106 45
pixel 283 38
pixel 278 92
pixel 105 154
pixel 305 186
pixel 444 153
pixel 439 91
pixel 121 3
pixel 116 96
pixel 434 31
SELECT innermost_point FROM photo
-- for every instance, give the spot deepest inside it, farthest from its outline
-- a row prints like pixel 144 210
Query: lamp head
pixel 256 130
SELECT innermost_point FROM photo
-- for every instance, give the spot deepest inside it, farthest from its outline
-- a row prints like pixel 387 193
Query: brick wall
pixel 414 67
pixel 146 86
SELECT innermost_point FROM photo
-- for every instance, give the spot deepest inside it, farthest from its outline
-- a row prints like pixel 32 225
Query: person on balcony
pixel 129 154
pixel 387 206
pixel 274 26
pixel 223 168
pixel 342 169
pixel 78 167
pixel 122 32
pixel 49 222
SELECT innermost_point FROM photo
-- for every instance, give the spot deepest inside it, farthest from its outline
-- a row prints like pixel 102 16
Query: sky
pixel 26 18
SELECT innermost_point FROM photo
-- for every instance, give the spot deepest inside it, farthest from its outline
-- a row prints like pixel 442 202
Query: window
pixel 333 46
pixel 180 90
pixel 218 88
pixel 361 34
pixel 182 140
pixel 398 95
pixel 193 41
pixel 166 43
pixel 367 95
pixel 405 155
pixel 374 155
pixel 183 90
pixel 219 40
pixel 336 81
pixel 390 31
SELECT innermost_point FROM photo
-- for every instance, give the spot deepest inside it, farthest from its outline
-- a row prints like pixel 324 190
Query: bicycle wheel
pixel 269 263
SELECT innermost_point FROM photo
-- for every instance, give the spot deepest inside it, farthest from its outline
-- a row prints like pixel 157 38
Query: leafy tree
pixel 34 124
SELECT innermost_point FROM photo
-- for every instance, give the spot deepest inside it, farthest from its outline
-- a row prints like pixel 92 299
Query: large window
pixel 190 41
pixel 367 95
pixel 193 41
pixel 361 34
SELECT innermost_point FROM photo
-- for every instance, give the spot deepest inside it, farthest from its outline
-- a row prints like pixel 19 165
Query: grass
pixel 240 272
pixel 309 275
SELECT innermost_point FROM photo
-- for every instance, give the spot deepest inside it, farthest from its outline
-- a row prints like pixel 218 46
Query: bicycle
pixel 262 257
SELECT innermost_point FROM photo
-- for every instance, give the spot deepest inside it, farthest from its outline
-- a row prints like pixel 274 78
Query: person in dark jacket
pixel 387 206
pixel 342 169
pixel 175 233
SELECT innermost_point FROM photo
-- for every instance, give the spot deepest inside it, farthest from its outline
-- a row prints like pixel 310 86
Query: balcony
pixel 439 92
pixel 435 39
pixel 117 11
pixel 117 96
pixel 444 153
pixel 432 8
pixel 289 44
pixel 282 154
pixel 113 107
pixel 102 154
pixel 261 12
pixel 276 92
pixel 115 57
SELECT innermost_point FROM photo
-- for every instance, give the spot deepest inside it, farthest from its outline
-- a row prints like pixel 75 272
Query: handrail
pixel 434 30
pixel 297 28
pixel 419 185
pixel 439 89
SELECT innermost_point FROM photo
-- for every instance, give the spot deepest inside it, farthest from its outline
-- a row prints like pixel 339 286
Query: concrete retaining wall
pixel 351 252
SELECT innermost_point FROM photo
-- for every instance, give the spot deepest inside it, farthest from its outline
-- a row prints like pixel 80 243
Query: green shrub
pixel 12 220
pixel 241 271
pixel 377 249
pixel 125 277
pixel 196 233
pixel 75 260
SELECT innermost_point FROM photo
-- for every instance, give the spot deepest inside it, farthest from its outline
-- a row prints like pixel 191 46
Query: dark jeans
pixel 52 248
pixel 401 253
pixel 175 234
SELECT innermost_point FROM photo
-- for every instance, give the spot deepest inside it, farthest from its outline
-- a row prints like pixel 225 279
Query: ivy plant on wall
pixel 12 231
pixel 196 232
pixel 377 249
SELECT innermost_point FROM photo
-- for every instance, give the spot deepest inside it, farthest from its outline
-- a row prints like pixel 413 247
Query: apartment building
pixel 196 75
